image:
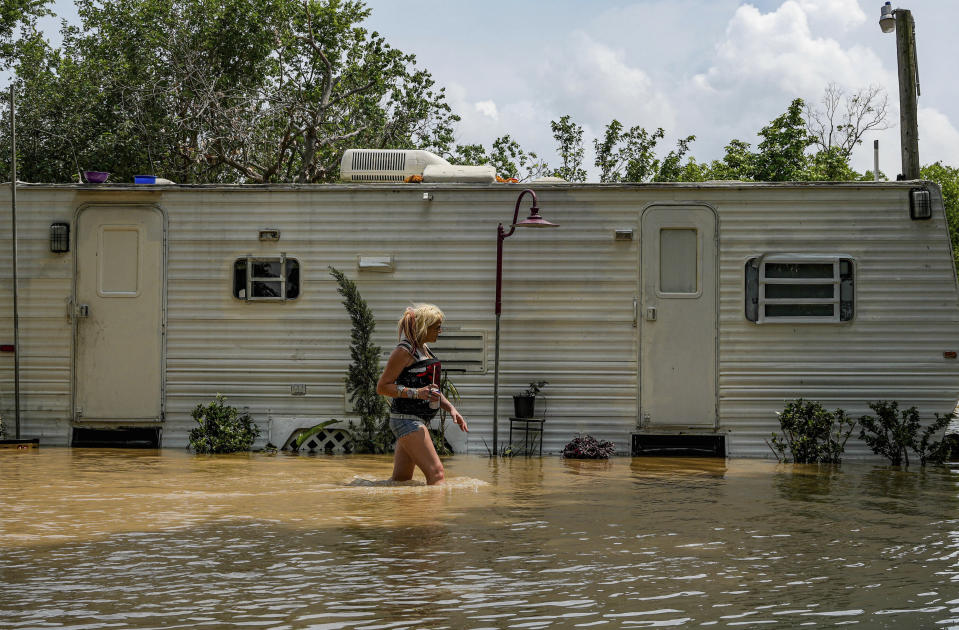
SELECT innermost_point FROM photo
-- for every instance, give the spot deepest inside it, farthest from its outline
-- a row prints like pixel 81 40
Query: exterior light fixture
pixel 887 21
pixel 59 237
pixel 920 204
pixel 533 220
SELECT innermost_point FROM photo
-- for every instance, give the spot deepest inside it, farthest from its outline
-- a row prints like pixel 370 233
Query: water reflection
pixel 114 539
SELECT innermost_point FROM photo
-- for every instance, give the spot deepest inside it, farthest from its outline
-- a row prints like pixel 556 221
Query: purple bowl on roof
pixel 95 177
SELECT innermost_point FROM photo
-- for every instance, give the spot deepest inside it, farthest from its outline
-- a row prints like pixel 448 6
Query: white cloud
pixel 834 14
pixel 487 108
pixel 778 50
pixel 596 83
pixel 938 137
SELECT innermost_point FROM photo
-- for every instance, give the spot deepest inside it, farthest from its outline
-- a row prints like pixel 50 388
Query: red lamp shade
pixel 534 220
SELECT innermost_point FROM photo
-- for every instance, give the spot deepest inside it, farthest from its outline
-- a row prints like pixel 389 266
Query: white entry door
pixel 679 317
pixel 118 314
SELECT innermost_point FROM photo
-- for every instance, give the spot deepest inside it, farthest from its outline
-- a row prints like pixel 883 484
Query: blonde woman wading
pixel 411 379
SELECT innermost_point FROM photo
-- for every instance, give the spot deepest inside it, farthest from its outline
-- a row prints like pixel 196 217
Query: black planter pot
pixel 524 406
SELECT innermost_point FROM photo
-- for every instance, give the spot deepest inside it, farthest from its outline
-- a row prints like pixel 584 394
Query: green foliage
pixel 569 137
pixel 222 429
pixel 630 156
pixel 220 91
pixel 782 150
pixel 672 168
pixel 373 434
pixel 893 433
pixel 14 15
pixel 948 179
pixel 509 159
pixel 438 435
pixel 810 434
pixel 303 437
pixel 830 165
pixel 534 388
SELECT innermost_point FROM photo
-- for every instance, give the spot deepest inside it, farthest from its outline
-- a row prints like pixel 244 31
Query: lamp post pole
pixel 908 66
pixel 533 220
pixel 13 221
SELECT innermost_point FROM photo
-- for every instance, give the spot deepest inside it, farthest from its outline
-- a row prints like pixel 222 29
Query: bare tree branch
pixel 841 120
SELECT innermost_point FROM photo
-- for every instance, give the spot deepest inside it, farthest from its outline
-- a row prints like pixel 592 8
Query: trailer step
pixel 679 445
pixel 118 437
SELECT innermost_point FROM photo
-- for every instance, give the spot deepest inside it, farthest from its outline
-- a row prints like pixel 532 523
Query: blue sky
pixel 719 69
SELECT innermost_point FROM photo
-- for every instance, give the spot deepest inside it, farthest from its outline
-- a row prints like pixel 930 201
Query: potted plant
pixel 524 405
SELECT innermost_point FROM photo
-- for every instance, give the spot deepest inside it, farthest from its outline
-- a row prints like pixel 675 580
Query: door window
pixel 678 261
pixel 118 263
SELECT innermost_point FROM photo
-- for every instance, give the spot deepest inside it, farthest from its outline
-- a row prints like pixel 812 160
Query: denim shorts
pixel 403 424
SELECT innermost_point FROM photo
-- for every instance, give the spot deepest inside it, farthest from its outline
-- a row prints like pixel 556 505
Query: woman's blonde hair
pixel 416 319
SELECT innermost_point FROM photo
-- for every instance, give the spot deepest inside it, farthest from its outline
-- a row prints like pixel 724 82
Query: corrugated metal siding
pixel 906 313
pixel 45 281
pixel 567 296
pixel 444 253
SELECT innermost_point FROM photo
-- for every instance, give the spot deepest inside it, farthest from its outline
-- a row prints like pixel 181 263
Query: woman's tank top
pixel 421 373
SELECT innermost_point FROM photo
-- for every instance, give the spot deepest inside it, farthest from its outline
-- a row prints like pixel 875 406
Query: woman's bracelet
pixel 407 392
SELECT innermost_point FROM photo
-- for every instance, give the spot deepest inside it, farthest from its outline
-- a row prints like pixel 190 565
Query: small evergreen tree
pixel 373 434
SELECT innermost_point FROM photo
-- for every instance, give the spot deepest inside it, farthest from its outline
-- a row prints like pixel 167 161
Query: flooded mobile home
pixel 655 310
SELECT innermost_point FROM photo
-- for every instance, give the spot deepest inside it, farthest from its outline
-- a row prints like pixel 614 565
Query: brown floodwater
pixel 105 538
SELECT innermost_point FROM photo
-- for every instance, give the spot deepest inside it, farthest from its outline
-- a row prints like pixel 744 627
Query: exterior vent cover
pixel 385 165
pixel 462 351
pixel 378 161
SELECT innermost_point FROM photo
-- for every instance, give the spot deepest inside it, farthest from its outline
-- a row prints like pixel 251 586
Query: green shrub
pixel 893 433
pixel 438 435
pixel 222 429
pixel 585 446
pixel 810 434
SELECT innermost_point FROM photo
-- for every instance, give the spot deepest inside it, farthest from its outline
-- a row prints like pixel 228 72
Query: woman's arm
pixel 457 418
pixel 399 360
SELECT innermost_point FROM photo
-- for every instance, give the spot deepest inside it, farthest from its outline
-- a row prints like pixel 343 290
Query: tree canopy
pixel 220 91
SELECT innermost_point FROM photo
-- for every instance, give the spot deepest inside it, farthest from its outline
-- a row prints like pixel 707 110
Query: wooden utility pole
pixel 908 92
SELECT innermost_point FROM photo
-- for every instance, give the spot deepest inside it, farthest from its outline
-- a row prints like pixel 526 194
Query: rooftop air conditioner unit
pixel 384 165
pixel 394 165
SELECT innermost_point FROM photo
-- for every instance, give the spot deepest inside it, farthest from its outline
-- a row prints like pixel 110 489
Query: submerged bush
pixel 587 447
pixel 810 434
pixel 893 433
pixel 222 428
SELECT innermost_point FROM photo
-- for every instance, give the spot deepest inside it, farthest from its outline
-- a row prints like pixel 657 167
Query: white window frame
pixel 250 278
pixel 799 259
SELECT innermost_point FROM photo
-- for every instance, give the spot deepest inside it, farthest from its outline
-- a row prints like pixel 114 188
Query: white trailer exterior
pixel 635 309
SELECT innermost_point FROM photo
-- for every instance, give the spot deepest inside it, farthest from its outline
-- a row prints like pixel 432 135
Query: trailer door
pixel 118 314
pixel 678 343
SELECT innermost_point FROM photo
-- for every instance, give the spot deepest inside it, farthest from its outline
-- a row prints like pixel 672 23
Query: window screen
pixel 266 278
pixel 797 288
